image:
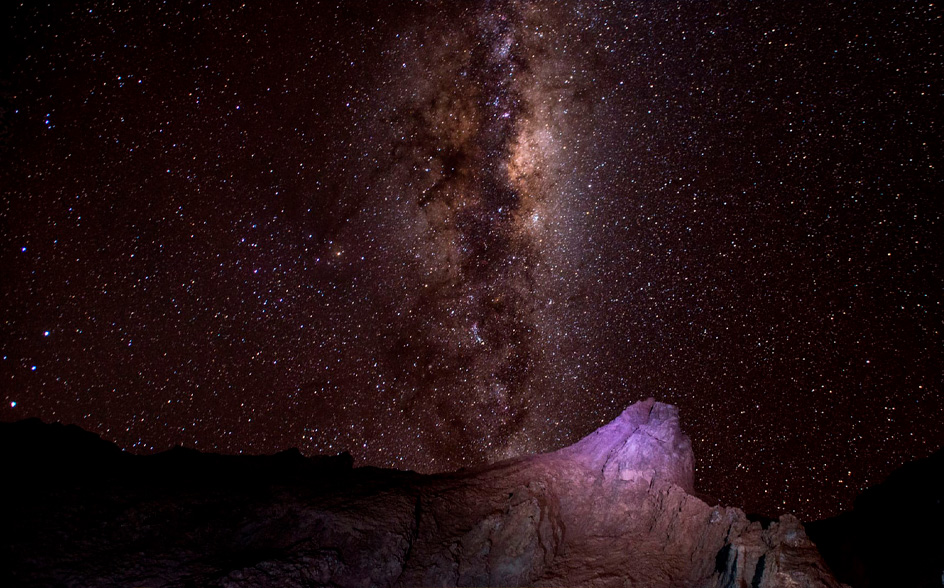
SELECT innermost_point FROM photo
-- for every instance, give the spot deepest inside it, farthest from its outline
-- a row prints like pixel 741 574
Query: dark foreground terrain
pixel 616 509
pixel 893 536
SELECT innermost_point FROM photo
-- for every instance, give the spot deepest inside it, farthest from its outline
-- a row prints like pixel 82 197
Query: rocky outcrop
pixel 615 509
pixel 645 442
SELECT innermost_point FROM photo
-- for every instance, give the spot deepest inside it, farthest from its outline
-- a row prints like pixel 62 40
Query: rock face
pixel 615 509
pixel 645 442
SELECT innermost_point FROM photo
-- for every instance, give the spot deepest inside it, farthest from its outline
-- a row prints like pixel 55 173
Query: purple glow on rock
pixel 644 442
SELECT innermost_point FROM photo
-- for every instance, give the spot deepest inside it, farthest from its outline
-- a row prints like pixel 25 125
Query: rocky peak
pixel 615 509
pixel 644 442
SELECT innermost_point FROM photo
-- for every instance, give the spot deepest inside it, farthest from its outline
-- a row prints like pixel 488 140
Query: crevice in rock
pixel 412 537
pixel 759 571
pixel 726 566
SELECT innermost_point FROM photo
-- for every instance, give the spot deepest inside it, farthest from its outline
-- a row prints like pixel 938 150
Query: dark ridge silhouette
pixel 892 537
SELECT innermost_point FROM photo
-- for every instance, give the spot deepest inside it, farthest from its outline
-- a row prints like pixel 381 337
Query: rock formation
pixel 615 509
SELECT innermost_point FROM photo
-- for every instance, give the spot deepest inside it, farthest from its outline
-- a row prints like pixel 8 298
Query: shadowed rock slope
pixel 615 509
pixel 893 535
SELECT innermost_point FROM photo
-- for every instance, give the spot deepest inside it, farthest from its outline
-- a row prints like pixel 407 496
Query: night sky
pixel 437 234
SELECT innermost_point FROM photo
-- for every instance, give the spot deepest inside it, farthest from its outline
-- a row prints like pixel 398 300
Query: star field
pixel 439 234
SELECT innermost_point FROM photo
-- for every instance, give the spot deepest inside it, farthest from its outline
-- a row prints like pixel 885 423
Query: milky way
pixel 438 234
pixel 480 185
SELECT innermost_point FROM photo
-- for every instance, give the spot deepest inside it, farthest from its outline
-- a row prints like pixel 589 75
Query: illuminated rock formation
pixel 615 509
